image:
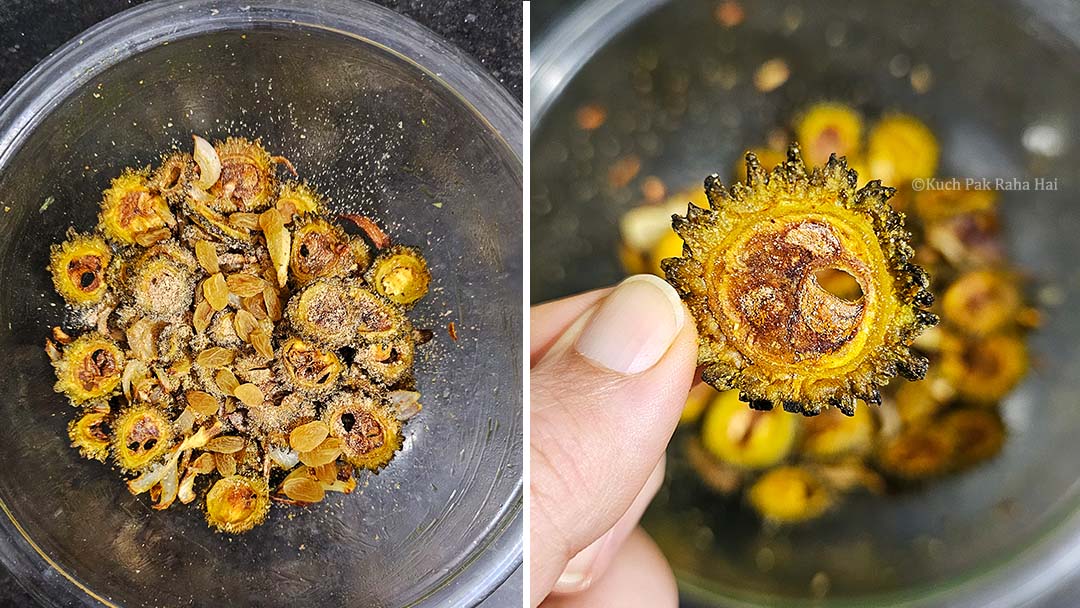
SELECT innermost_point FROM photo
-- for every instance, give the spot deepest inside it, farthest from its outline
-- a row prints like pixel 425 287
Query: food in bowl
pixel 230 339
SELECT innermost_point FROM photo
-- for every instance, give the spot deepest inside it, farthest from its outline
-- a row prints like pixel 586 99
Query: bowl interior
pixel 378 136
pixel 680 99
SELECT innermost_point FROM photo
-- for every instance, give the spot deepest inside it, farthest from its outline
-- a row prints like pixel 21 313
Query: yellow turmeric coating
pixel 766 326
pixel 131 208
pixel 79 267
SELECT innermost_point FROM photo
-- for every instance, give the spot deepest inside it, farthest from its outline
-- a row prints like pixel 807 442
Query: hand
pixel 610 373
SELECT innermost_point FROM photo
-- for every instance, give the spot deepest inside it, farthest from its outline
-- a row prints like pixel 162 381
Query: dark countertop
pixel 489 30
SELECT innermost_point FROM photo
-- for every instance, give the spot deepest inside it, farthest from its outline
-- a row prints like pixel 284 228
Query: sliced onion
pixel 209 163
pixel 185 421
pixel 283 457
pixel 186 493
pixel 405 404
pixel 169 486
pixel 151 477
pixel 103 320
pixel 199 196
pixel 133 370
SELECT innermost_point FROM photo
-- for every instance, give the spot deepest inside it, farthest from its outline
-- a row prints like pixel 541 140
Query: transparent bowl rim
pixel 1051 558
pixel 148 25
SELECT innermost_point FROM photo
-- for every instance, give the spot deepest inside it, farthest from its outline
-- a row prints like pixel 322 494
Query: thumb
pixel 606 398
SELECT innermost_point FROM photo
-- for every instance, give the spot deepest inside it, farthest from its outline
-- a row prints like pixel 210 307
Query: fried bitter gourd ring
pixel 400 275
pixel 308 368
pixel 247 179
pixel 319 249
pixel 90 368
pixel 790 494
pixel 298 200
pixel 132 207
pixel 324 313
pixel 369 430
pixel 766 327
pixel 90 434
pixel 78 269
pixel 387 362
pixel 142 435
pixel 237 503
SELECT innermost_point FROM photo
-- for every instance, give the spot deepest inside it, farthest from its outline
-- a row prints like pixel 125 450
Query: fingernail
pixel 578 574
pixel 634 326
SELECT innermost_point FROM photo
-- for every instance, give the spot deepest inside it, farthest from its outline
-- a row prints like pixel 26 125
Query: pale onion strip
pixel 186 493
pixel 209 163
pixel 283 457
pixel 151 477
pixel 169 487
pixel 199 196
pixel 405 404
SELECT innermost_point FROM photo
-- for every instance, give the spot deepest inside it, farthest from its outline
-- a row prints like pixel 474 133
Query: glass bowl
pixel 389 121
pixel 679 95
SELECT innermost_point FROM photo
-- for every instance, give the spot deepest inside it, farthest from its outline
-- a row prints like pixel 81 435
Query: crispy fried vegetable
pixel 90 434
pixel 90 368
pixel 79 267
pixel 377 319
pixel 142 435
pixel 389 361
pixel 901 148
pixel 132 208
pixel 278 420
pixel 766 327
pixel 833 435
pixel 319 250
pixel 790 494
pixel 399 274
pixel 918 453
pixel 934 205
pixel 828 128
pixel 307 368
pixel 161 288
pixel 918 402
pixel 247 180
pixel 944 424
pixel 369 429
pixel 767 157
pixel 278 242
pixel 746 438
pixel 324 313
pixel 168 179
pixel 206 157
pixel 237 503
pixel 185 334
pixel 214 223
pixel 983 370
pixel 298 200
pixel 982 302
pixel 978 434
